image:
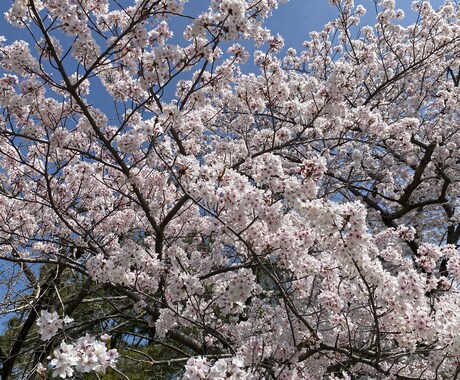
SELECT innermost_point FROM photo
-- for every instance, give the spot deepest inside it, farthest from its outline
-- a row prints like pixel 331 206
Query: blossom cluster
pixel 87 354
pixel 50 323
pixel 222 369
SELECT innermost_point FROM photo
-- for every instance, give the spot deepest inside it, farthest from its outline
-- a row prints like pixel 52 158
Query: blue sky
pixel 293 20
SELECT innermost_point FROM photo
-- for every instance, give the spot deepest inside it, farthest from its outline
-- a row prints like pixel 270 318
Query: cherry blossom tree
pixel 298 222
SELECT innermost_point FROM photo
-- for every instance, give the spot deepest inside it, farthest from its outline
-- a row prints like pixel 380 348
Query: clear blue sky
pixel 293 20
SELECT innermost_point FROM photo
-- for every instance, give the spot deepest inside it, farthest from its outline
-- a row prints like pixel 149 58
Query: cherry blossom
pixel 49 324
pixel 88 354
pixel 294 219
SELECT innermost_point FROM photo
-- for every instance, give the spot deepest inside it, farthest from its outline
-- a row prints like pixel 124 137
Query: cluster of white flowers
pixel 231 369
pixel 50 323
pixel 87 355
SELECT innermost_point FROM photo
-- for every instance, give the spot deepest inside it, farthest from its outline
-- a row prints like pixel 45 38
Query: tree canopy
pixel 166 212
